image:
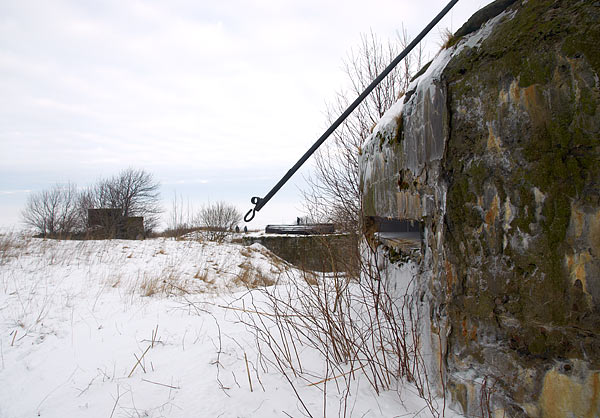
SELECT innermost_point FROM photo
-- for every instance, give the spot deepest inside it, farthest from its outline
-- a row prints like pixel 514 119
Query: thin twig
pixel 161 384
pixel 154 334
pixel 336 377
pixel 256 312
pixel 138 361
pixel 116 402
pixel 248 370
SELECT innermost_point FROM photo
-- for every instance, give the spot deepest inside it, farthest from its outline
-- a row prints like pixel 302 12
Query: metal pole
pixel 258 202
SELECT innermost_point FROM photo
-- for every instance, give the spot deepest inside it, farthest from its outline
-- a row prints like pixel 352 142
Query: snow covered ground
pixel 151 329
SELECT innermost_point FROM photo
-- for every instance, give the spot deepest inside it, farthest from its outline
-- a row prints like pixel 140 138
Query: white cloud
pixel 90 87
pixel 10 192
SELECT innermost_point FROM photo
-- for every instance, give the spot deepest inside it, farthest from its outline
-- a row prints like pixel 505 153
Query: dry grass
pixel 115 282
pixel 151 285
pixel 247 251
pixel 251 277
pixel 278 265
pixel 169 282
pixel 448 39
pixel 11 243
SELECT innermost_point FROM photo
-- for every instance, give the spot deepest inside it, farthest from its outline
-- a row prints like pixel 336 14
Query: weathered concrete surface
pixel 333 252
pixel 496 150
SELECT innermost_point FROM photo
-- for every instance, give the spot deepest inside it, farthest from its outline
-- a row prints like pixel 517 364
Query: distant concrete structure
pixel 316 252
pixel 133 227
pixel 103 217
pixel 108 223
pixel 313 247
pixel 301 229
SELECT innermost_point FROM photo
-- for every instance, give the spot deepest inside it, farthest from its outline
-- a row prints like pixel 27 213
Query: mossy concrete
pixel 511 266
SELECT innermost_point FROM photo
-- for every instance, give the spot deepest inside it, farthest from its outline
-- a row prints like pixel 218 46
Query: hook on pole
pixel 256 201
pixel 250 215
pixel 260 202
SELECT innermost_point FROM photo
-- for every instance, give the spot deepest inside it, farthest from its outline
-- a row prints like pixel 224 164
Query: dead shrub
pixel 358 326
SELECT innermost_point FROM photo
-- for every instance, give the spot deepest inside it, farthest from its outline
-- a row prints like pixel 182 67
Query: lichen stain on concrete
pixel 539 202
pixel 566 396
pixel 469 331
pixel 492 213
pixel 515 91
pixel 508 214
pixel 409 205
pixel 493 143
pixel 449 276
pixel 577 221
pixel 576 265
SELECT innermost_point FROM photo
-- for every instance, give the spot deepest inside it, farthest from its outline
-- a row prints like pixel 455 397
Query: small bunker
pixel 107 223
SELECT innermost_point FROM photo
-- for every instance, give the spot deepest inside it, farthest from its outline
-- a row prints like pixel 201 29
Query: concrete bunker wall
pixel 495 150
pixel 324 253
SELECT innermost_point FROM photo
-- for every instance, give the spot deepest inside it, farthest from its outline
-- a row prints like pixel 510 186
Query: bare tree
pixel 53 213
pixel 333 190
pixel 85 200
pixel 133 191
pixel 218 219
pixel 180 220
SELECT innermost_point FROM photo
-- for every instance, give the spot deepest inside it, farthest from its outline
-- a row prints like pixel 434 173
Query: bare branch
pixel 333 193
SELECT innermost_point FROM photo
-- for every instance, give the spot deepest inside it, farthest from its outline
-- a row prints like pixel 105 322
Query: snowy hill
pixel 151 329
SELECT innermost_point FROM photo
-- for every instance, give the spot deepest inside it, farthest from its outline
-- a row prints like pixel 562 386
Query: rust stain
pixel 594 410
pixel 515 91
pixel 576 264
pixel 492 213
pixel 530 97
pixel 449 276
pixel 580 272
pixel 474 333
pixel 570 261
pixel 468 334
pixel 533 101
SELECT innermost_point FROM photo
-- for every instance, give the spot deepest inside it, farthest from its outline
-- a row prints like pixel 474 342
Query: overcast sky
pixel 216 98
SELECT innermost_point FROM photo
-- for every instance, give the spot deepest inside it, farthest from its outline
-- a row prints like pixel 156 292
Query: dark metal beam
pixel 259 202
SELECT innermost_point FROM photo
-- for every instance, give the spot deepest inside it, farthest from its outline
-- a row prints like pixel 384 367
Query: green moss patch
pixel 549 127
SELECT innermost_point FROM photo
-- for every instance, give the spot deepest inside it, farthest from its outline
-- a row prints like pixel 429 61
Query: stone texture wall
pixel 496 149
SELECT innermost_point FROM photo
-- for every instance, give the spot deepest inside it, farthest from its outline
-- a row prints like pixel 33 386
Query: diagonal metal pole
pixel 259 202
